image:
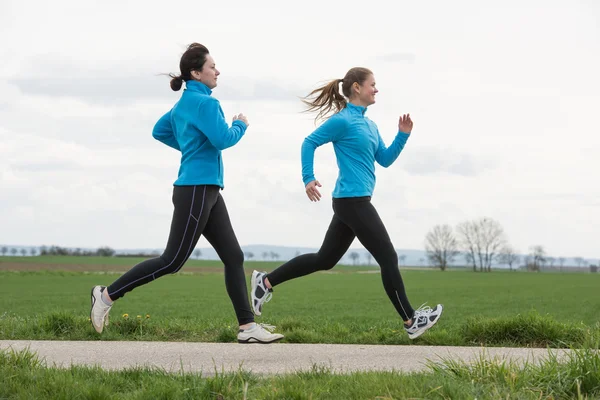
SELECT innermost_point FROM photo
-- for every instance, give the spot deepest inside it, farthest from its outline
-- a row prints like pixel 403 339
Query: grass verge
pixel 503 309
pixel 24 376
pixel 531 330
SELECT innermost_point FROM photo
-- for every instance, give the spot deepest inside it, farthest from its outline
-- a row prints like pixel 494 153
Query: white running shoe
pixel 259 333
pixel 260 293
pixel 424 318
pixel 100 310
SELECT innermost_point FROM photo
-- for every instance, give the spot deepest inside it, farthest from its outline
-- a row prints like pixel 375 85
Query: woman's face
pixel 209 73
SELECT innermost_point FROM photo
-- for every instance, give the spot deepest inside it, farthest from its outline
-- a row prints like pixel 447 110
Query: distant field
pixel 81 263
pixel 499 308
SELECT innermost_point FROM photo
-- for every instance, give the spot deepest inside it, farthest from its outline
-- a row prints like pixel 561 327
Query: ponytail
pixel 326 98
pixel 176 82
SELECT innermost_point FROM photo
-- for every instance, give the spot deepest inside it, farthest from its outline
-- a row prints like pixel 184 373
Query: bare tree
pixel 579 261
pixel 265 255
pixel 508 256
pixel 441 246
pixel 249 255
pixel 481 239
pixel 527 261
pixel 469 259
pixel 4 250
pixel 105 251
pixel 23 252
pixel 467 240
pixel 538 257
pixel 493 239
pixel 354 256
pixel 197 253
pixel 369 257
pixel 551 261
pixel 33 251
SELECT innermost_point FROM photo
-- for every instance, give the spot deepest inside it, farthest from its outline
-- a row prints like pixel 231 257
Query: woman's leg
pixel 360 215
pixel 192 205
pixel 221 236
pixel 337 240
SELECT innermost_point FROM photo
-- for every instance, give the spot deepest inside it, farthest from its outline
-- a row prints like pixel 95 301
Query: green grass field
pixel 81 263
pixel 498 308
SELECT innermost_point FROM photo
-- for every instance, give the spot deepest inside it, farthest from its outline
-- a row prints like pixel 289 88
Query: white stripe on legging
pixel 182 239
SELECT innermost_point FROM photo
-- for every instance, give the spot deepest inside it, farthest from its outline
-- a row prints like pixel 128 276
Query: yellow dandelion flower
pixel 125 315
pixel 147 316
pixel 139 317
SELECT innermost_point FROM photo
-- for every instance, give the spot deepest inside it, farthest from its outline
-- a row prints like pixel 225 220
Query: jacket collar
pixel 354 109
pixel 197 86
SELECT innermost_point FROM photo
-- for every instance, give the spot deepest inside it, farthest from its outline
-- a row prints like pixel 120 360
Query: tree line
pixel 57 251
pixel 481 242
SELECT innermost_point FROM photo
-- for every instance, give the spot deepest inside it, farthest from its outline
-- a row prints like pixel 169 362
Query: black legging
pixel 198 210
pixel 353 217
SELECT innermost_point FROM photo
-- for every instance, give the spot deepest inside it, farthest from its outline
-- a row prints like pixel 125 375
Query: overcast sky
pixel 505 100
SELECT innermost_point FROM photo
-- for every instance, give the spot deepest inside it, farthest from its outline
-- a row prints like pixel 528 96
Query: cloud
pixel 8 95
pixel 72 120
pixel 64 188
pixel 437 160
pixel 95 89
pixel 78 111
pixel 120 85
pixel 119 90
pixel 398 57
pixel 237 88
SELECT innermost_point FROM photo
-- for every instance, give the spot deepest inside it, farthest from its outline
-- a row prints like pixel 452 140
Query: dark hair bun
pixel 176 82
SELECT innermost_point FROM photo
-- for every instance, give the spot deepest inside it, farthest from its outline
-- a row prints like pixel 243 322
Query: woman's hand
pixel 242 118
pixel 405 124
pixel 312 192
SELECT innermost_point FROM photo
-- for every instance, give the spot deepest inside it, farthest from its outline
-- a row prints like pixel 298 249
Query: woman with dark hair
pixel 196 127
pixel 357 145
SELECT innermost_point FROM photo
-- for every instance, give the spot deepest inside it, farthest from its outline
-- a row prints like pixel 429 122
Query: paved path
pixel 261 359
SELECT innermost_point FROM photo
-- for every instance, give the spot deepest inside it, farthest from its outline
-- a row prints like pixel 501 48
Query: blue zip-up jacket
pixel 357 145
pixel 196 127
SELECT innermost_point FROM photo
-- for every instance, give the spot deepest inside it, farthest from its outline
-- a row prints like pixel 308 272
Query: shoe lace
pixel 268 297
pixel 422 310
pixel 268 292
pixel 267 327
